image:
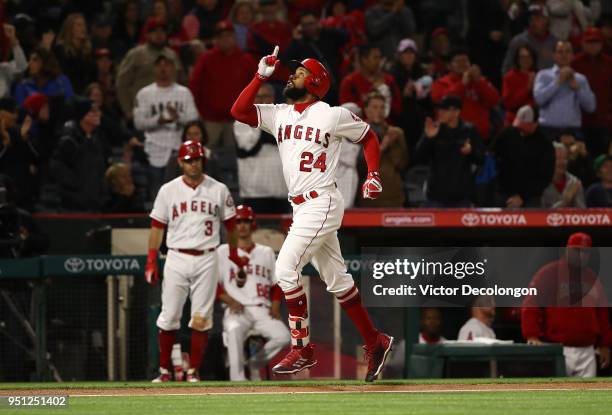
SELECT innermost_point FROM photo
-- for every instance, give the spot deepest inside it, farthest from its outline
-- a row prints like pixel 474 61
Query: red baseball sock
pixel 166 341
pixel 199 341
pixel 297 305
pixel 351 303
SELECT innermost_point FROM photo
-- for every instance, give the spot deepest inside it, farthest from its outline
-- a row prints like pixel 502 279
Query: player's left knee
pixel 287 278
pixel 342 286
pixel 200 323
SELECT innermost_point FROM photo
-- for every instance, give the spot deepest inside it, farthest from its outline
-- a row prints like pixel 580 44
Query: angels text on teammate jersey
pixel 193 215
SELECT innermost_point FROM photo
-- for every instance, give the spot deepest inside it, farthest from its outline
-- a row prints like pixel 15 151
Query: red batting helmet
pixel 579 240
pixel 245 212
pixel 319 81
pixel 190 150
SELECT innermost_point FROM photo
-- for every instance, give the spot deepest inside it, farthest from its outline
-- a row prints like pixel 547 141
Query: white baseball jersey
pixel 260 275
pixel 310 142
pixel 193 216
pixel 475 328
pixel 260 175
pixel 152 101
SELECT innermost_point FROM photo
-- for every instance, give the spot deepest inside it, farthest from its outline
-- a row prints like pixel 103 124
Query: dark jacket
pixel 598 196
pixel 80 68
pixel 525 164
pixel 78 165
pixel 16 161
pixel 451 177
pixel 117 203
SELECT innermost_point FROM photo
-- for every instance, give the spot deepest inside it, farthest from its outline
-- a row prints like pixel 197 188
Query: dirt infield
pixel 380 388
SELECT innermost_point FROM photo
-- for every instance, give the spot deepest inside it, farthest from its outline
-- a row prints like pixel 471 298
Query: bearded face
pixel 294 93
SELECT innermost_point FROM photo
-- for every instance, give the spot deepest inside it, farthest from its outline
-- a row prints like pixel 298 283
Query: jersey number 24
pixel 307 162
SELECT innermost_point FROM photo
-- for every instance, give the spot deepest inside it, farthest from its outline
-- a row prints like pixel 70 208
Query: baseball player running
pixel 309 135
pixel 253 299
pixel 192 208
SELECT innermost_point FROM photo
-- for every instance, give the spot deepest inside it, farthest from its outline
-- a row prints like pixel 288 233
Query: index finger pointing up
pixel 275 53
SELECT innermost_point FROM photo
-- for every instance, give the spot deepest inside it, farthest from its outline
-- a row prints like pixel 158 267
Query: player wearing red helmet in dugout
pixel 253 300
pixel 192 209
pixel 309 136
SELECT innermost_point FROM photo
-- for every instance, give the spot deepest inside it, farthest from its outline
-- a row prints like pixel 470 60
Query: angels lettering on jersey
pixel 263 283
pixel 194 206
pixel 260 275
pixel 193 215
pixel 300 132
pixel 157 108
pixel 309 141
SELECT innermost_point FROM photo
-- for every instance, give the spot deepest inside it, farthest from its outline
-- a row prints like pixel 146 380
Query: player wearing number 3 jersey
pixel 192 208
pixel 309 136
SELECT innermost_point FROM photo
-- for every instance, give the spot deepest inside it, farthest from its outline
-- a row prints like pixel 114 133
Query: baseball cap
pixel 439 31
pixel 81 106
pixel 592 34
pixel 450 101
pixel 525 114
pixel 579 240
pixel 600 160
pixel 537 10
pixel 406 44
pixel 34 103
pixel 102 53
pixel 224 26
pixel 155 23
pixel 163 56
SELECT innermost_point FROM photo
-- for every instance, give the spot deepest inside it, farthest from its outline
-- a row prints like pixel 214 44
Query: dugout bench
pixel 434 360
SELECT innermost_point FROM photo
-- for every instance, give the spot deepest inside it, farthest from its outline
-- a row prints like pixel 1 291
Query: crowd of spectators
pixel 96 97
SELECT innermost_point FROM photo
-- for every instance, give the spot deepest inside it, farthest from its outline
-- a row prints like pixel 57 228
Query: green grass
pixel 460 403
pixel 225 384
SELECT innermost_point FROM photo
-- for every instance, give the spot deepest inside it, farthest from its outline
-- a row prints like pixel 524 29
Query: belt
pixel 299 199
pixel 194 252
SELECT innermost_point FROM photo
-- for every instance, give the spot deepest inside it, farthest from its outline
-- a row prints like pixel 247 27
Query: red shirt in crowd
pixel 216 81
pixel 598 72
pixel 516 92
pixel 355 86
pixel 570 326
pixel 478 99
pixel 262 38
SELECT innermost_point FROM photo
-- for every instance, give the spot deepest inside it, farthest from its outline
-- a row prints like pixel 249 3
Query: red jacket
pixel 478 99
pixel 570 326
pixel 598 72
pixel 261 39
pixel 216 81
pixel 516 93
pixel 354 88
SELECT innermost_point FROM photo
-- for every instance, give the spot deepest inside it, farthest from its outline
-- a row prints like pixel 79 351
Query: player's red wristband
pixel 152 254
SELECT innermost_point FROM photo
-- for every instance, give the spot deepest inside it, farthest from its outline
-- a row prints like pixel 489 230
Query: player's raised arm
pixel 372 187
pixel 243 109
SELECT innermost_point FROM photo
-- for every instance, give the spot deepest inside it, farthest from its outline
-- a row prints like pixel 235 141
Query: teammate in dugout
pixel 309 135
pixel 192 207
pixel 253 299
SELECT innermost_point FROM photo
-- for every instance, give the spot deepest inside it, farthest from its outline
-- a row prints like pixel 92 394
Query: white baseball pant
pixel 313 237
pixel 254 320
pixel 580 361
pixel 193 276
